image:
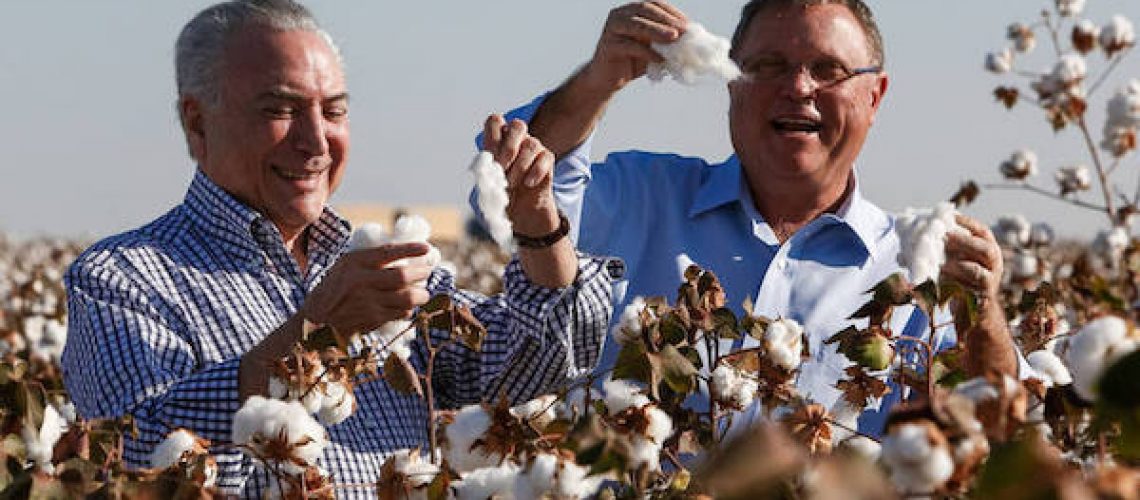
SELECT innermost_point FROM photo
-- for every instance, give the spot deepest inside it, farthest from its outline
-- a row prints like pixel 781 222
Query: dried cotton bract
pixel 1021 36
pixel 922 240
pixel 491 187
pixel 1085 34
pixel 697 52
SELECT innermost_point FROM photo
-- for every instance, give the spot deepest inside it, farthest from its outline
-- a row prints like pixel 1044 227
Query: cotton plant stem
pixel 1111 66
pixel 1034 189
pixel 1110 211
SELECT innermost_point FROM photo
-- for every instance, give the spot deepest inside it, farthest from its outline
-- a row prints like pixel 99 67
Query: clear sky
pixel 91 146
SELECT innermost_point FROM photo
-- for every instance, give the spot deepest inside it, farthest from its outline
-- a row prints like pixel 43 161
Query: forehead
pixel 261 59
pixel 805 32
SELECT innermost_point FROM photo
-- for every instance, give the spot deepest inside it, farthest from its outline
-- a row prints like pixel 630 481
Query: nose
pixel 799 84
pixel 308 132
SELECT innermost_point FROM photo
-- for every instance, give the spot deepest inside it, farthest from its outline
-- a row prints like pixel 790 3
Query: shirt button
pixel 615 267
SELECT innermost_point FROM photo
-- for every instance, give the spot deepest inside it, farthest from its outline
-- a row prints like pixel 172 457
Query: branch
pixel 1111 66
pixel 1049 194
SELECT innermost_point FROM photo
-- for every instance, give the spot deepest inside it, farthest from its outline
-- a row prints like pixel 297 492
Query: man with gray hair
pixel 782 221
pixel 175 323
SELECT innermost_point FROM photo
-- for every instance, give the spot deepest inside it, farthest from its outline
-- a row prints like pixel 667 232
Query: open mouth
pixel 297 175
pixel 792 125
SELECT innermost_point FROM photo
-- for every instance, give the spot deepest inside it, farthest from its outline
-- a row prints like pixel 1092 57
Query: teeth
pixel 296 176
pixel 797 124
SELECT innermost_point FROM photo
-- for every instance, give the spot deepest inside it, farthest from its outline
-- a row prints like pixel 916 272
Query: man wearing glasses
pixel 782 221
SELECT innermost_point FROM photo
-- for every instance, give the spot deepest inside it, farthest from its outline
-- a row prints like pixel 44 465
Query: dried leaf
pixel 402 376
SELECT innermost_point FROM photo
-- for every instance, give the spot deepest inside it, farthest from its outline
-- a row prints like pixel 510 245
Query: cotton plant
pixel 304 378
pixel 1063 92
pixel 185 451
pixel 695 54
pixel 282 435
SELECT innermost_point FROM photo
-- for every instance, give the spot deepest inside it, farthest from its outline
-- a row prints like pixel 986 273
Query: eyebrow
pixel 297 96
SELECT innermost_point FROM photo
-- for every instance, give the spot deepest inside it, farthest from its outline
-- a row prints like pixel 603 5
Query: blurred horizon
pixel 95 148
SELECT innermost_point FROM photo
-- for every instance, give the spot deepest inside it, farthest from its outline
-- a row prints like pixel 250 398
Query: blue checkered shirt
pixel 160 317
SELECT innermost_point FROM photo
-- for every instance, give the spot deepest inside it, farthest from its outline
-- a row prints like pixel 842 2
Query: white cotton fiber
pixel 491 186
pixel 695 54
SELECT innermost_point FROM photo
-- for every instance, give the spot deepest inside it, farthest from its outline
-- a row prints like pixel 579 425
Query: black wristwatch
pixel 546 240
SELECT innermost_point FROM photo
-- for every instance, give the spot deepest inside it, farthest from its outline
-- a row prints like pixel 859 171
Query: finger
pixel 493 132
pixel 975 227
pixel 969 274
pixel 528 150
pixel 961 246
pixel 540 172
pixel 626 47
pixel 645 30
pixel 395 278
pixel 383 255
pixel 406 299
pixel 680 17
pixel 513 135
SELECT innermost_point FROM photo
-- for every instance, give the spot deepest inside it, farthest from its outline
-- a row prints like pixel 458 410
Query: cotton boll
pixel 419 472
pixel 171 449
pixel 411 228
pixel 696 53
pixel 398 336
pixel 1023 265
pixel 470 423
pixel 1070 69
pixel 1021 164
pixel 1049 368
pixel 492 198
pixel 863 447
pixel 338 403
pixel 847 416
pixel 1022 37
pixel 918 459
pixel 538 411
pixel 1070 8
pixel 489 482
pixel 1041 234
pixel 261 421
pixel 1123 116
pixel 922 240
pixel 999 62
pixel 40 442
pixel 1085 35
pixel 732 387
pixel 622 394
pixel 549 477
pixel 628 328
pixel 1117 35
pixel 1093 348
pixel 783 343
pixel 1074 178
pixel 977 389
pixel 368 235
pixel 1110 245
pixel 1012 231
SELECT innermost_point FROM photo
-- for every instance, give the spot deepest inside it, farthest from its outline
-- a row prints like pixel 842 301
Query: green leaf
pixel 12 371
pixel 725 324
pixel 672 329
pixel 757 325
pixel 633 364
pixel 401 376
pixel 893 291
pixel 675 369
pixel 926 295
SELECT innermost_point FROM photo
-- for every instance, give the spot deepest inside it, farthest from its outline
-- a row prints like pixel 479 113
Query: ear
pixel 879 90
pixel 190 113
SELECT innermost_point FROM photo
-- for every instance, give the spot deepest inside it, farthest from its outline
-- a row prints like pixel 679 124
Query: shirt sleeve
pixel 538 339
pixel 124 357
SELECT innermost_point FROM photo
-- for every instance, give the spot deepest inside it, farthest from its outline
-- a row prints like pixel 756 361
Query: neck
pixel 297 243
pixel 789 206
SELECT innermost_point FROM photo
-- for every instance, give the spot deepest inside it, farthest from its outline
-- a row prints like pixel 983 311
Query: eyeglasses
pixel 825 73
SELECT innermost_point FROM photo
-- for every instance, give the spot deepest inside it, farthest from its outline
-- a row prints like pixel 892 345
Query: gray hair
pixel 199 51
pixel 857 7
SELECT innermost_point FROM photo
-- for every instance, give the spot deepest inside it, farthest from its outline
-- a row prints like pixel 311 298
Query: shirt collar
pixel 235 225
pixel 724 184
pixel 719 186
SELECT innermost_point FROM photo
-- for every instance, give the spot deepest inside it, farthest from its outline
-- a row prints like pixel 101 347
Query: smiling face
pixel 278 138
pixel 787 128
